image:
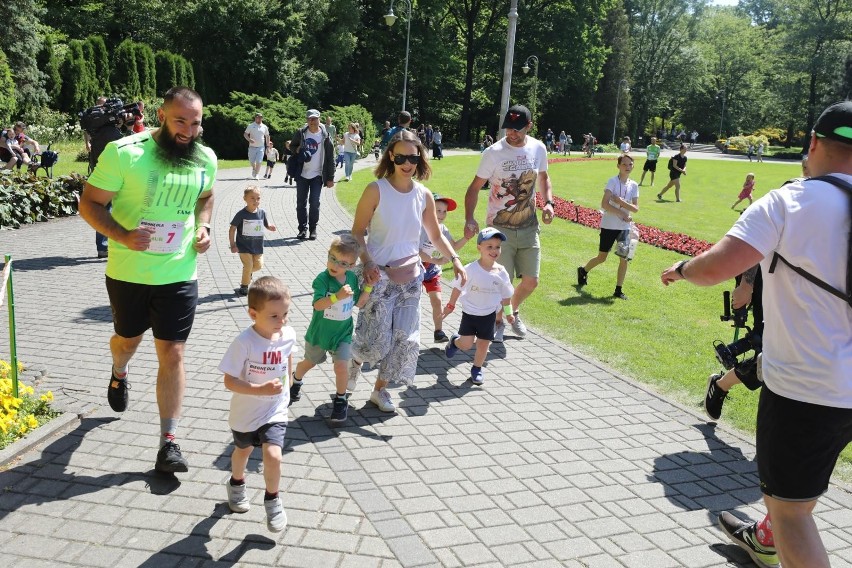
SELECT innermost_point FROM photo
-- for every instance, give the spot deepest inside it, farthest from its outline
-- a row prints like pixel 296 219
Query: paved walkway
pixel 556 461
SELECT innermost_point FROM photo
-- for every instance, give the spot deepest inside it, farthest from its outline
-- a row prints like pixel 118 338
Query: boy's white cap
pixel 489 233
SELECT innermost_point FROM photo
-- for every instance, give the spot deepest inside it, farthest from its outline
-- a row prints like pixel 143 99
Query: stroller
pixel 47 161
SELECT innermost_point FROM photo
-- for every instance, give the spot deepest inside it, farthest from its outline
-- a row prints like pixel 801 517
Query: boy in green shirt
pixel 336 291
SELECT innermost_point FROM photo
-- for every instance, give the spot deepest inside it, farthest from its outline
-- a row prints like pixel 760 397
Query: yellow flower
pixel 22 429
pixel 47 397
pixel 32 422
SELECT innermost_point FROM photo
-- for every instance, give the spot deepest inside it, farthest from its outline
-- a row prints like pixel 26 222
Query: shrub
pixel 25 198
pixel 49 126
pixel 19 415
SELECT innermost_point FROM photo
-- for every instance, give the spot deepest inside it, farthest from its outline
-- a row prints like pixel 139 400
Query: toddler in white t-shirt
pixel 254 366
pixel 488 286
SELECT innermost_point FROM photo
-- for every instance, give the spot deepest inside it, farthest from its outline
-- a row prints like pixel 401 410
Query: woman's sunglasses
pixel 400 159
pixel 340 263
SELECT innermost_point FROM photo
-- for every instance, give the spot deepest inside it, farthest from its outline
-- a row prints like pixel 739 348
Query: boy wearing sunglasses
pixel 336 291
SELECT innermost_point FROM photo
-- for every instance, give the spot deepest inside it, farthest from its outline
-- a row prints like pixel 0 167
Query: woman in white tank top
pixel 388 221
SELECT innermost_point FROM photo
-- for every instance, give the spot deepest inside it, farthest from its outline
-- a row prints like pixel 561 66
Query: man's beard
pixel 173 153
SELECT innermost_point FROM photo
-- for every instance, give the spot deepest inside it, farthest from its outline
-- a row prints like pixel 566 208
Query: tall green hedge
pixel 77 88
pixel 100 60
pixel 7 90
pixel 147 69
pixel 125 72
pixel 50 63
pixel 224 124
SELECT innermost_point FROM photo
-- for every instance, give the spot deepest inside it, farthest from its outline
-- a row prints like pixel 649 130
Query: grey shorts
pixel 272 433
pixel 255 154
pixel 317 355
pixel 521 252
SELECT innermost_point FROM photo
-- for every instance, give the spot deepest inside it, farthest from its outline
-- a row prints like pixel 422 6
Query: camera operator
pixel 96 140
pixel 749 290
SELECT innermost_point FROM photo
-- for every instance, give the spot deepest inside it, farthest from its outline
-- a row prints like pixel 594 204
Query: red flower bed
pixel 677 242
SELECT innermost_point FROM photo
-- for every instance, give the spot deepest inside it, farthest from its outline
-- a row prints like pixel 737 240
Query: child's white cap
pixel 489 233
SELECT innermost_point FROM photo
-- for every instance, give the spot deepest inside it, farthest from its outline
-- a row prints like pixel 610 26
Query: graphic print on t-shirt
pixel 311 145
pixel 517 194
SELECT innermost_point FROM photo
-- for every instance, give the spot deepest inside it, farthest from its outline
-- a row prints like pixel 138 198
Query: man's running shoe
pixel 582 276
pixel 117 393
pixel 518 326
pixel 170 460
pixel 743 535
pixel 499 329
pixel 715 397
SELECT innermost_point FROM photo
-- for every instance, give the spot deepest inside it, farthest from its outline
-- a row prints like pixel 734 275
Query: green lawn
pixel 662 337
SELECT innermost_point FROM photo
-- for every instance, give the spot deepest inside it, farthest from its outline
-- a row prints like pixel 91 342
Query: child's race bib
pixel 252 228
pixel 340 310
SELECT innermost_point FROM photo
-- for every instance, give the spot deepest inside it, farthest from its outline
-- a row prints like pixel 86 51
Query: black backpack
pixel 847 297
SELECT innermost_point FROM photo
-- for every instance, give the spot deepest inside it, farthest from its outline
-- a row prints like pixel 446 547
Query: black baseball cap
pixel 835 122
pixel 517 118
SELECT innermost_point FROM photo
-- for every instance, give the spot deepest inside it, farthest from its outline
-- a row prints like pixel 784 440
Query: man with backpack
pixel 800 234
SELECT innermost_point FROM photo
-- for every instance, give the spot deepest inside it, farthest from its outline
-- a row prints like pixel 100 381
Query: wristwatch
pixel 548 202
pixel 206 226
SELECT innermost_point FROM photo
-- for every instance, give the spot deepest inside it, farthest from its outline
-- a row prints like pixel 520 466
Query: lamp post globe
pixel 390 20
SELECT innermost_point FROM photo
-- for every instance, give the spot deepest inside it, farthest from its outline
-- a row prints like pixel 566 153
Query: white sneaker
pixel 499 328
pixel 382 399
pixel 238 501
pixel 518 326
pixel 354 371
pixel 276 518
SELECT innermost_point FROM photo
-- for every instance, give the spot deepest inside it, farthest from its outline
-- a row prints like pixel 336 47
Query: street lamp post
pixel 721 95
pixel 390 20
pixel 617 95
pixel 526 69
pixel 508 62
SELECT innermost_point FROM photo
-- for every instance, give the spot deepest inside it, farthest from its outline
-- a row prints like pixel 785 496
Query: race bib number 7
pixel 166 238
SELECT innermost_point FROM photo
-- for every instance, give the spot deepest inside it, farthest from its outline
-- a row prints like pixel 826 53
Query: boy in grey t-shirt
pixel 246 236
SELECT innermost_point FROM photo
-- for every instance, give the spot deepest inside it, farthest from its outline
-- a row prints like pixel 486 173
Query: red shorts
pixel 433 284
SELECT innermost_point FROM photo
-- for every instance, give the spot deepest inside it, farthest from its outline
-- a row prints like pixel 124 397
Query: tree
pixel 100 58
pixel 75 92
pixel 125 74
pixel 166 71
pixel 147 68
pixel 50 63
pixel 660 32
pixel 21 43
pixel 7 90
pixel 611 92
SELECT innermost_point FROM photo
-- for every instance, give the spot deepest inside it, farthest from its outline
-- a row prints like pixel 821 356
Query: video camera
pixel 112 113
pixel 727 354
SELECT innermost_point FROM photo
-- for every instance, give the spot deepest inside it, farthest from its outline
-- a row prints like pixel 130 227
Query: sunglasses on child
pixel 400 159
pixel 340 263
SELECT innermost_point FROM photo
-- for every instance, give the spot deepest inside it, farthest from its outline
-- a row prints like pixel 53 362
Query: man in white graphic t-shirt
pixel 516 167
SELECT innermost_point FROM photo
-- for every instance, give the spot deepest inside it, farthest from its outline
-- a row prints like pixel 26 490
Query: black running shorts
pixel 167 309
pixel 798 444
pixel 482 327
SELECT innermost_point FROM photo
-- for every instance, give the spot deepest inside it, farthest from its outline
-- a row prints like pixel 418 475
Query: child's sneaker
pixel 276 518
pixel 238 501
pixel 476 376
pixel 339 410
pixel 295 392
pixel 450 350
pixel 354 371
pixel 242 290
